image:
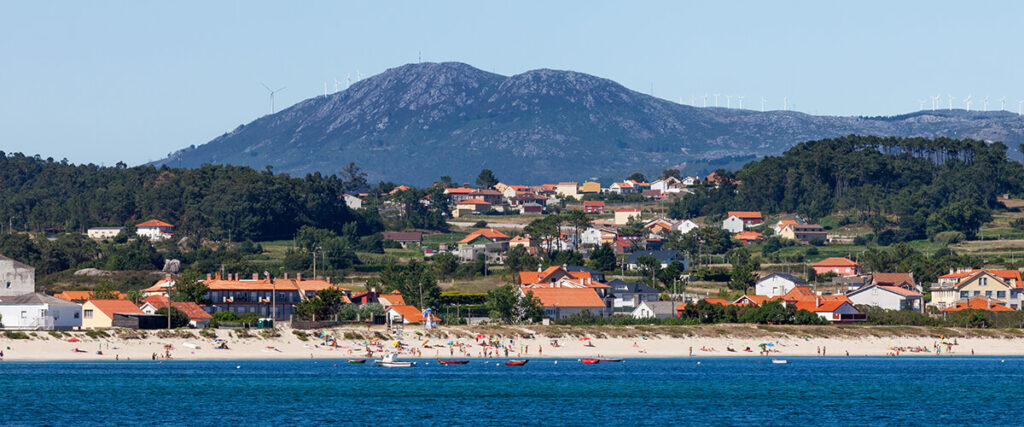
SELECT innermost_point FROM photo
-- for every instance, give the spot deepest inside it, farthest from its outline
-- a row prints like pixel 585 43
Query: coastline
pixel 573 343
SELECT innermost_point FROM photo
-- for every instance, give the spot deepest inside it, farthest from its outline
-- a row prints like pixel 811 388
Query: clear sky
pixel 134 80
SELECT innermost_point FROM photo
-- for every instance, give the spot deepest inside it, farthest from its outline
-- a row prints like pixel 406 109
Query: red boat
pixel 609 360
pixel 591 361
pixel 452 362
pixel 516 362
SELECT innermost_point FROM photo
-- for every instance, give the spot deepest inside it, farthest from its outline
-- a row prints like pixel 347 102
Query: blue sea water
pixel 664 392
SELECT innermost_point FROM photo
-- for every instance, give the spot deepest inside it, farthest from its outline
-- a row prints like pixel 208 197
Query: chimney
pixel 298 276
pixel 817 301
pixel 328 280
pixel 255 276
pixel 217 275
pixel 286 276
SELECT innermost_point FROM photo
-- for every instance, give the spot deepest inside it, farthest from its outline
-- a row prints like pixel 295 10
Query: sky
pixel 101 82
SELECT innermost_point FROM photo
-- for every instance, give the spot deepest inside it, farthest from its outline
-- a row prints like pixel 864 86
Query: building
pixel 665 258
pixel 406 314
pixel 622 216
pixel 629 295
pixel 747 237
pixel 83 296
pixel 654 310
pixel 623 188
pixel 459 194
pixel 590 187
pixel 531 209
pixel 404 237
pixel 594 207
pixel 837 265
pixel 155 230
pixel 99 313
pixel 16 278
pixel 782 224
pixel 836 309
pixel 562 302
pixel 888 298
pixel 103 233
pixel 737 221
pixel 686 226
pixel 901 280
pixel 777 284
pixel 35 311
pixel 805 233
pixel 197 316
pixel 470 207
pixel 978 303
pixel 1001 286
pixel 597 236
pixel 352 202
pixel 567 189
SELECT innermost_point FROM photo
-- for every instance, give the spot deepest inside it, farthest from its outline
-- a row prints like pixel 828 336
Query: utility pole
pixel 170 285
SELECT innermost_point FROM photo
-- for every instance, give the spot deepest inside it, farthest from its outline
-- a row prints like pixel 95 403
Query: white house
pixel 667 185
pixel 103 233
pixel 737 221
pixel 777 284
pixel 630 295
pixel 655 310
pixel 622 188
pixel 155 230
pixel 562 302
pixel 16 278
pixel 691 181
pixel 733 224
pixel 685 226
pixel 353 202
pixel 888 298
pixel 39 312
pixel 665 258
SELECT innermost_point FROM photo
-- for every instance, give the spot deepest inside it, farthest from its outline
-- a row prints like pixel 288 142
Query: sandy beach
pixel 531 342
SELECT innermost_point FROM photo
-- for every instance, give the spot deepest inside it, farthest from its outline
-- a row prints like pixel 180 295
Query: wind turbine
pixel 325 89
pixel 935 101
pixel 920 103
pixel 336 84
pixel 785 103
pixel 716 100
pixel 740 99
pixel 763 100
pixel 272 92
pixel 348 81
pixel 967 102
pixel 692 100
pixel 1002 104
pixel 985 104
pixel 728 101
pixel 1019 103
pixel 705 100
pixel 359 76
pixel 950 101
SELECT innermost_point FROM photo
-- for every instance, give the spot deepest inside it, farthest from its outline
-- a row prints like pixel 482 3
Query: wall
pixel 16 278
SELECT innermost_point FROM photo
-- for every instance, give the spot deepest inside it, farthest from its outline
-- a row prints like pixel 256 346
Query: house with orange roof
pixel 1002 286
pixel 888 297
pixel 99 313
pixel 622 216
pixel 459 194
pixel 900 280
pixel 198 317
pixel 754 300
pixel 747 238
pixel 392 298
pixel 562 302
pixel 470 207
pixel 978 303
pixel 154 230
pixel 782 224
pixel 804 233
pixel 842 267
pixel 550 275
pixel 487 241
pixel 593 206
pixel 737 221
pixel 622 188
pixel 777 284
pixel 406 314
pixel 83 296
pixel 522 240
pixel 484 235
pixel 568 190
pixel 836 309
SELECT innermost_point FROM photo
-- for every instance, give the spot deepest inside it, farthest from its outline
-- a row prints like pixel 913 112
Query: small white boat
pixel 779 362
pixel 390 361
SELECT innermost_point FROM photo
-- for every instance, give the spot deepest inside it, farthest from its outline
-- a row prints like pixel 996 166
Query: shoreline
pixel 573 343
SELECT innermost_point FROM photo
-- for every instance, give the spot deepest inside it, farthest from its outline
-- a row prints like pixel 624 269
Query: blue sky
pixel 107 81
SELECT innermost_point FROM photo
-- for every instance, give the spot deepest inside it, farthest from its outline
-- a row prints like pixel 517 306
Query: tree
pixel 648 267
pixel 508 305
pixel 416 282
pixel 603 258
pixel 188 288
pixel 743 277
pixel 518 259
pixel 353 178
pixel 486 179
pixel 178 318
pixel 444 264
pixel 324 305
pixel 134 296
pixel 637 176
pixel 963 216
pixel 104 290
pixel 670 173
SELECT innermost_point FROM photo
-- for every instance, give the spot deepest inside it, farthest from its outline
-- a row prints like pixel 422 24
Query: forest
pixel 211 202
pixel 923 186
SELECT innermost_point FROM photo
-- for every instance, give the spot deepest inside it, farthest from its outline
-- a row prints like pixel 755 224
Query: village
pixel 632 285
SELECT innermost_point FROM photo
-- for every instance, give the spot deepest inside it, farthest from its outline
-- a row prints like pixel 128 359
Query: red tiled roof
pixel 459 190
pixel 473 202
pixel 488 233
pixel 567 297
pixel 83 295
pixel 592 203
pixel 627 210
pixel 901 291
pixel 893 278
pixel 827 306
pixel 111 306
pixel 393 298
pixel 835 262
pixel 978 303
pixel 748 235
pixel 410 313
pixel 193 310
pixel 745 215
pixel 720 301
pixel 153 223
pixel 1005 274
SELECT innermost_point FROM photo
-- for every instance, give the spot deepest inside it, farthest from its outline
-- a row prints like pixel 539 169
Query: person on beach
pixel 540 350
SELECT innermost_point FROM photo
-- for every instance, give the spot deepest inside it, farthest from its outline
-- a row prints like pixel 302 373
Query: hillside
pixel 414 123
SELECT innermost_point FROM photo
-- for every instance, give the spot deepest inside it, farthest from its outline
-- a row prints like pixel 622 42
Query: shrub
pixel 948 237
pixel 16 335
pixel 96 333
pixel 300 335
pixel 480 224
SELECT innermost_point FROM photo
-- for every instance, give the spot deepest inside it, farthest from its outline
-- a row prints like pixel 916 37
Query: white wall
pixel 877 297
pixel 40 316
pixel 733 224
pixel 16 278
pixel 773 286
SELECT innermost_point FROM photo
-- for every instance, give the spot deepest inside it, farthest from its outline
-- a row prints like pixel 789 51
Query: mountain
pixel 414 123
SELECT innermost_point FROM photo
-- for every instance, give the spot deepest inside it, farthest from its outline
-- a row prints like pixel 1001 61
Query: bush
pixel 480 224
pixel 1017 224
pixel 16 335
pixel 96 333
pixel 300 335
pixel 948 237
pixel 391 244
pixel 863 240
pixel 811 251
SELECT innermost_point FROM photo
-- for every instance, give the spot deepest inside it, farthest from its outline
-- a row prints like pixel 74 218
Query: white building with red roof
pixel 155 229
pixel 888 297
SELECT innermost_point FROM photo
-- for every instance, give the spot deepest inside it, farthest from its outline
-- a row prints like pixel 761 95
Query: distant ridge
pixel 416 122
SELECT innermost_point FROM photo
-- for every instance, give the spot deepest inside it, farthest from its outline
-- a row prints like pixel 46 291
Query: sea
pixel 664 392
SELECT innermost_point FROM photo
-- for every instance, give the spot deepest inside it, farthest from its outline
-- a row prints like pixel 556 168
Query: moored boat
pixel 390 360
pixel 356 360
pixel 590 361
pixel 516 362
pixel 609 360
pixel 452 362
pixel 779 362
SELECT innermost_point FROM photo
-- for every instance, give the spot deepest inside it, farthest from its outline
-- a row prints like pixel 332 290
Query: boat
pixel 390 361
pixel 452 362
pixel 516 362
pixel 590 361
pixel 779 362
pixel 356 360
pixel 609 360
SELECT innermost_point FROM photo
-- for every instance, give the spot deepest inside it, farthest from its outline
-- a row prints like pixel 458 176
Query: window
pixel 1000 294
pixel 76 314
pixel 24 314
pixel 965 294
pixel 88 314
pixel 976 293
pixel 988 293
pixel 983 281
pixel 8 285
